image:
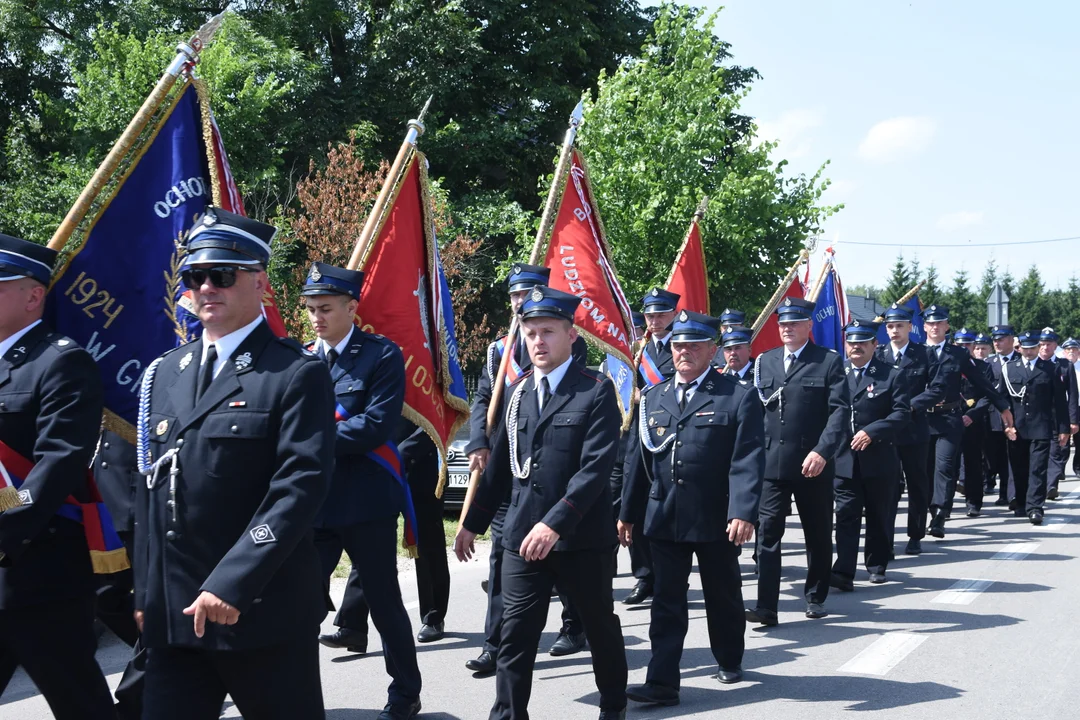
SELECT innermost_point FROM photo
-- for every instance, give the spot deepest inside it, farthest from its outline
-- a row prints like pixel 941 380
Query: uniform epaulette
pixel 296 347
pixel 597 377
pixel 523 376
pixel 61 342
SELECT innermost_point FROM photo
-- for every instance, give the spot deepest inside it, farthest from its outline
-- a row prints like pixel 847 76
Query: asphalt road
pixel 981 625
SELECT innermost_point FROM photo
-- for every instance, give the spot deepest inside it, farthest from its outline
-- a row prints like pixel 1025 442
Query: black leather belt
pixel 944 407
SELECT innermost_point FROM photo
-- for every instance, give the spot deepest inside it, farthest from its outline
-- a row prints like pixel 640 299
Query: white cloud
pixel 897 138
pixel 956 220
pixel 792 130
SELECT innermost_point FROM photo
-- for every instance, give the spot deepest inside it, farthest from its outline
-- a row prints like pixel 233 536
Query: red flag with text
pixel 405 299
pixel 769 336
pixel 688 274
pixel 580 263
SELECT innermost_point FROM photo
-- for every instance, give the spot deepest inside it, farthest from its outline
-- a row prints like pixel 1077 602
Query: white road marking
pixel 1056 522
pixel 412 605
pixel 963 592
pixel 1016 551
pixel 883 654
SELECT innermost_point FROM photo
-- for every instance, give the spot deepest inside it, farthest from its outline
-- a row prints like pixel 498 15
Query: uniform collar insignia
pixel 185 361
pixel 847 370
pixel 243 361
pixel 870 370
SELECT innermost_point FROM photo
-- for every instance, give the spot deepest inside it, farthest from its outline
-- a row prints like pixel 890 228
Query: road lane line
pixel 883 654
pixel 963 592
pixel 1016 551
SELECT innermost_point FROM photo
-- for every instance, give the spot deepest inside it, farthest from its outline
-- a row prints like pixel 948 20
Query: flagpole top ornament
pixel 578 114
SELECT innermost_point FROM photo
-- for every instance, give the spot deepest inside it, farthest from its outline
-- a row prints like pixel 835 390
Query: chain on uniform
pixel 757 386
pixel 511 432
pixel 1008 383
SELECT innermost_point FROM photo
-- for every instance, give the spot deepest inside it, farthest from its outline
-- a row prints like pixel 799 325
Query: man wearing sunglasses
pixel 236 432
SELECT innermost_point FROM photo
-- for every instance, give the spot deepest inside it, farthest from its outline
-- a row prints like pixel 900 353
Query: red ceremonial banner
pixel 769 336
pixel 398 301
pixel 580 264
pixel 688 274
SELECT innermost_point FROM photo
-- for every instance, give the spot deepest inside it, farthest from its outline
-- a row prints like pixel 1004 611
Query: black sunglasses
pixel 220 277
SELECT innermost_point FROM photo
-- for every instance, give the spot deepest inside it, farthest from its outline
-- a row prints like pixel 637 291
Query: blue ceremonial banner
pixel 828 321
pixel 623 376
pixel 917 334
pixel 120 294
pixel 445 313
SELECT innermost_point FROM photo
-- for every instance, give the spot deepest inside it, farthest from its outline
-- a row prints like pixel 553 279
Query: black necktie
pixel 659 347
pixel 858 375
pixel 684 391
pixel 331 358
pixel 206 372
pixel 545 392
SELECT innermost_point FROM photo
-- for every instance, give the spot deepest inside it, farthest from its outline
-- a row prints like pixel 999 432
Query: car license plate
pixel 459 480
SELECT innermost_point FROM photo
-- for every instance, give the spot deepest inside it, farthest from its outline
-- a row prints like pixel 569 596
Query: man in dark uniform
pixel 737 360
pixel 1071 346
pixel 235 432
pixel 983 349
pixel 1059 455
pixel 655 366
pixel 806 398
pixel 523 278
pixel 730 320
pixel 948 366
pixel 997 444
pixel 555 450
pixel 360 513
pixel 976 409
pixel 1039 398
pixel 697 457
pixel 914 439
pixel 868 468
pixel 420 458
pixel 50 410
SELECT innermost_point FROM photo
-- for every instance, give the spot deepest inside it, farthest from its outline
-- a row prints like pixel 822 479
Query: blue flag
pixel 917 334
pixel 446 313
pixel 623 376
pixel 120 295
pixel 828 322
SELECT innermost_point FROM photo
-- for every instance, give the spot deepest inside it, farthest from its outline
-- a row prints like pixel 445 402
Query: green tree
pixel 666 129
pixel 899 283
pixel 989 278
pixel 931 292
pixel 966 309
pixel 1028 306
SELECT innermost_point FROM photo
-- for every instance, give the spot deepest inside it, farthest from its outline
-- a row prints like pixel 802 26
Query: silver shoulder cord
pixel 1008 383
pixel 492 351
pixel 511 434
pixel 646 441
pixel 147 466
pixel 777 395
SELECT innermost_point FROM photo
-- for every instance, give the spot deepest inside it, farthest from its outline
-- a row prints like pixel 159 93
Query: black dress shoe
pixel 638 595
pixel 937 526
pixel 841 583
pixel 613 714
pixel 653 694
pixel 1001 502
pixel 484 586
pixel 815 611
pixel 483 664
pixel 1036 516
pixel 973 512
pixel 914 547
pixel 729 676
pixel 877 578
pixel 1052 494
pixel 761 616
pixel 400 711
pixel 430 633
pixel 1013 504
pixel 1019 512
pixel 352 640
pixel 567 644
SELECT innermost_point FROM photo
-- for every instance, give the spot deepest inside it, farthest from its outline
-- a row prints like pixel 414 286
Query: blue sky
pixel 946 122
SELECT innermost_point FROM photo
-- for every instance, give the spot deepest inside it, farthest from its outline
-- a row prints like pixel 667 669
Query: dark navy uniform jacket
pixel 976 403
pixel 710 465
pixel 369 383
pixel 995 362
pixel 478 436
pixel 573 444
pixel 815 406
pixel 1067 374
pixel 881 407
pixel 255 457
pixel 116 473
pixel 924 393
pixel 50 412
pixel 1043 411
pixel 947 371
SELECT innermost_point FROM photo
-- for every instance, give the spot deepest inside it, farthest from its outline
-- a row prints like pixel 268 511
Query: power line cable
pixel 956 245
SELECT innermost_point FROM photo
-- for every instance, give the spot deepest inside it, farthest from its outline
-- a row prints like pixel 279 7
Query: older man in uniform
pixel 976 408
pixel 235 433
pixel 806 399
pixel 523 278
pixel 868 468
pixel 1039 397
pixel 696 458
pixel 735 344
pixel 50 410
pixel 997 444
pixel 1059 455
pixel 360 513
pixel 949 365
pixel 729 320
pixel 555 451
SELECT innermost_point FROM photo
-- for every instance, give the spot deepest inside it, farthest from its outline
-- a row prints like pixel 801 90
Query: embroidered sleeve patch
pixel 262 534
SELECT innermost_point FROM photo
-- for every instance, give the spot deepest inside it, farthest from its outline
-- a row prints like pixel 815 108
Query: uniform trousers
pixel 585 576
pixel 875 495
pixel 943 465
pixel 997 460
pixel 1059 457
pixel 721 584
pixel 55 644
pixel 641 558
pixel 372 548
pixel 279 682
pixel 1029 459
pixel 913 464
pixel 971 465
pixel 814 501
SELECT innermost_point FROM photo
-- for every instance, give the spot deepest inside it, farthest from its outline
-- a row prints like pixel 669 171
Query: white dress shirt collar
pixel 16 337
pixel 554 377
pixel 324 348
pixel 901 351
pixel 228 344
pixel 697 383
